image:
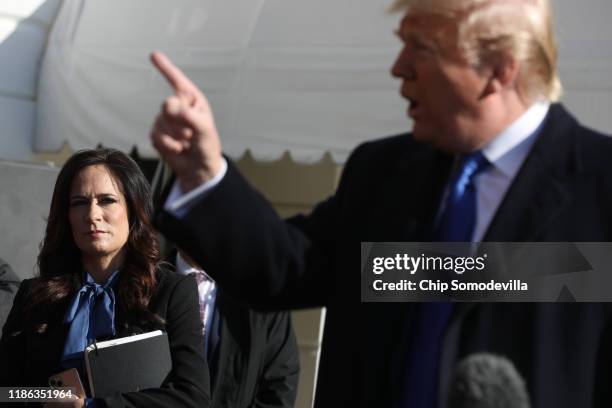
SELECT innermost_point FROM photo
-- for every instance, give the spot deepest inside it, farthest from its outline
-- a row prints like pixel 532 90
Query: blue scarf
pixel 91 315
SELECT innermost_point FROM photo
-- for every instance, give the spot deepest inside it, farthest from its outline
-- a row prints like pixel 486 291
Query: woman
pixel 100 277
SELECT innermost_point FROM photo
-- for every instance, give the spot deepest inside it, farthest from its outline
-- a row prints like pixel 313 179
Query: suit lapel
pixel 542 188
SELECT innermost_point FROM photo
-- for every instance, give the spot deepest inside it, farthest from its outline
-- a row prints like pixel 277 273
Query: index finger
pixel 175 77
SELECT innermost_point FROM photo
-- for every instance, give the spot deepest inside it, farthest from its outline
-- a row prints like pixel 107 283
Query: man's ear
pixel 503 74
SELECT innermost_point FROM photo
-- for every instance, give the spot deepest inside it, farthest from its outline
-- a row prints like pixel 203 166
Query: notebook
pixel 128 363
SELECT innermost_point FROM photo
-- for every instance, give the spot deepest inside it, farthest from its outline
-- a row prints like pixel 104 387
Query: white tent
pixel 304 76
pixel 24 25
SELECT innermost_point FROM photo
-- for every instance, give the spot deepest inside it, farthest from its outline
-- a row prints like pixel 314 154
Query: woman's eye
pixel 77 203
pixel 107 200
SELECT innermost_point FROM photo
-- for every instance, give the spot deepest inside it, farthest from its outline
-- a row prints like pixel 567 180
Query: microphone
pixel 485 380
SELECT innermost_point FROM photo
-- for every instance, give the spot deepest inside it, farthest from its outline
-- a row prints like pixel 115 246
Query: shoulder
pixel 594 148
pixel 175 292
pixel 25 288
pixel 383 149
pixel 169 281
pixel 373 161
pixel 375 157
pixel 566 140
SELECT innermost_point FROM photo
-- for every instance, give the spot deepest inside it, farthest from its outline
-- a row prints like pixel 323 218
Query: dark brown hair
pixel 59 261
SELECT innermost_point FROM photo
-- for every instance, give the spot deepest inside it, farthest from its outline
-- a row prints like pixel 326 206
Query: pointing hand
pixel 184 132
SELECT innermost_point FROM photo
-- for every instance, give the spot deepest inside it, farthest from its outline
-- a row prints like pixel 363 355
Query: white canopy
pixel 304 76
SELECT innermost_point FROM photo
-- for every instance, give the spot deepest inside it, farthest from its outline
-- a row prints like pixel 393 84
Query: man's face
pixel 444 92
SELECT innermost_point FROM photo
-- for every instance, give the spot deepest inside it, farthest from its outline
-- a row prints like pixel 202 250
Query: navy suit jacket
pixel 390 190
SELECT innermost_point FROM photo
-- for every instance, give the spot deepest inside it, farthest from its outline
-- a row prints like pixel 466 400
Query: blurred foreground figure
pixel 491 157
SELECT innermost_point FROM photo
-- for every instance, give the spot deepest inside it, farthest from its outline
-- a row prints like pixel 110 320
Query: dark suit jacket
pixel 254 358
pixel 390 191
pixel 29 359
pixel 256 361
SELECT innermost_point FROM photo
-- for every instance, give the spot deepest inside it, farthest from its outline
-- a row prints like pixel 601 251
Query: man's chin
pixel 441 140
pixel 421 133
pixel 427 135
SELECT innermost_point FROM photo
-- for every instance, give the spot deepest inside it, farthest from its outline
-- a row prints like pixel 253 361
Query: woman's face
pixel 98 213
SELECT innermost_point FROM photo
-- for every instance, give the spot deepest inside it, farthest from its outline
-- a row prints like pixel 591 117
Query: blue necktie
pixel 456 224
pixel 458 216
pixel 421 380
pixel 91 315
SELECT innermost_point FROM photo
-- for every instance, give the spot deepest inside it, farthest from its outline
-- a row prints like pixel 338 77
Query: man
pixel 480 77
pixel 253 356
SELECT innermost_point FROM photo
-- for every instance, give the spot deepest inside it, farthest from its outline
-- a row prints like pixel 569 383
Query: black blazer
pixel 256 361
pixel 390 190
pixel 29 359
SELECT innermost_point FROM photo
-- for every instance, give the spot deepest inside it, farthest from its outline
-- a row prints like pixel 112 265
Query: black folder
pixel 128 363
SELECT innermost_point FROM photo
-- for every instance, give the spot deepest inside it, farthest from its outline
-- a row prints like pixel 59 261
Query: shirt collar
pixel 508 149
pixel 184 268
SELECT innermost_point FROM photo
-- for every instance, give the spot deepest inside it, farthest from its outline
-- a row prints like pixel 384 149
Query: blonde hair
pixel 493 30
